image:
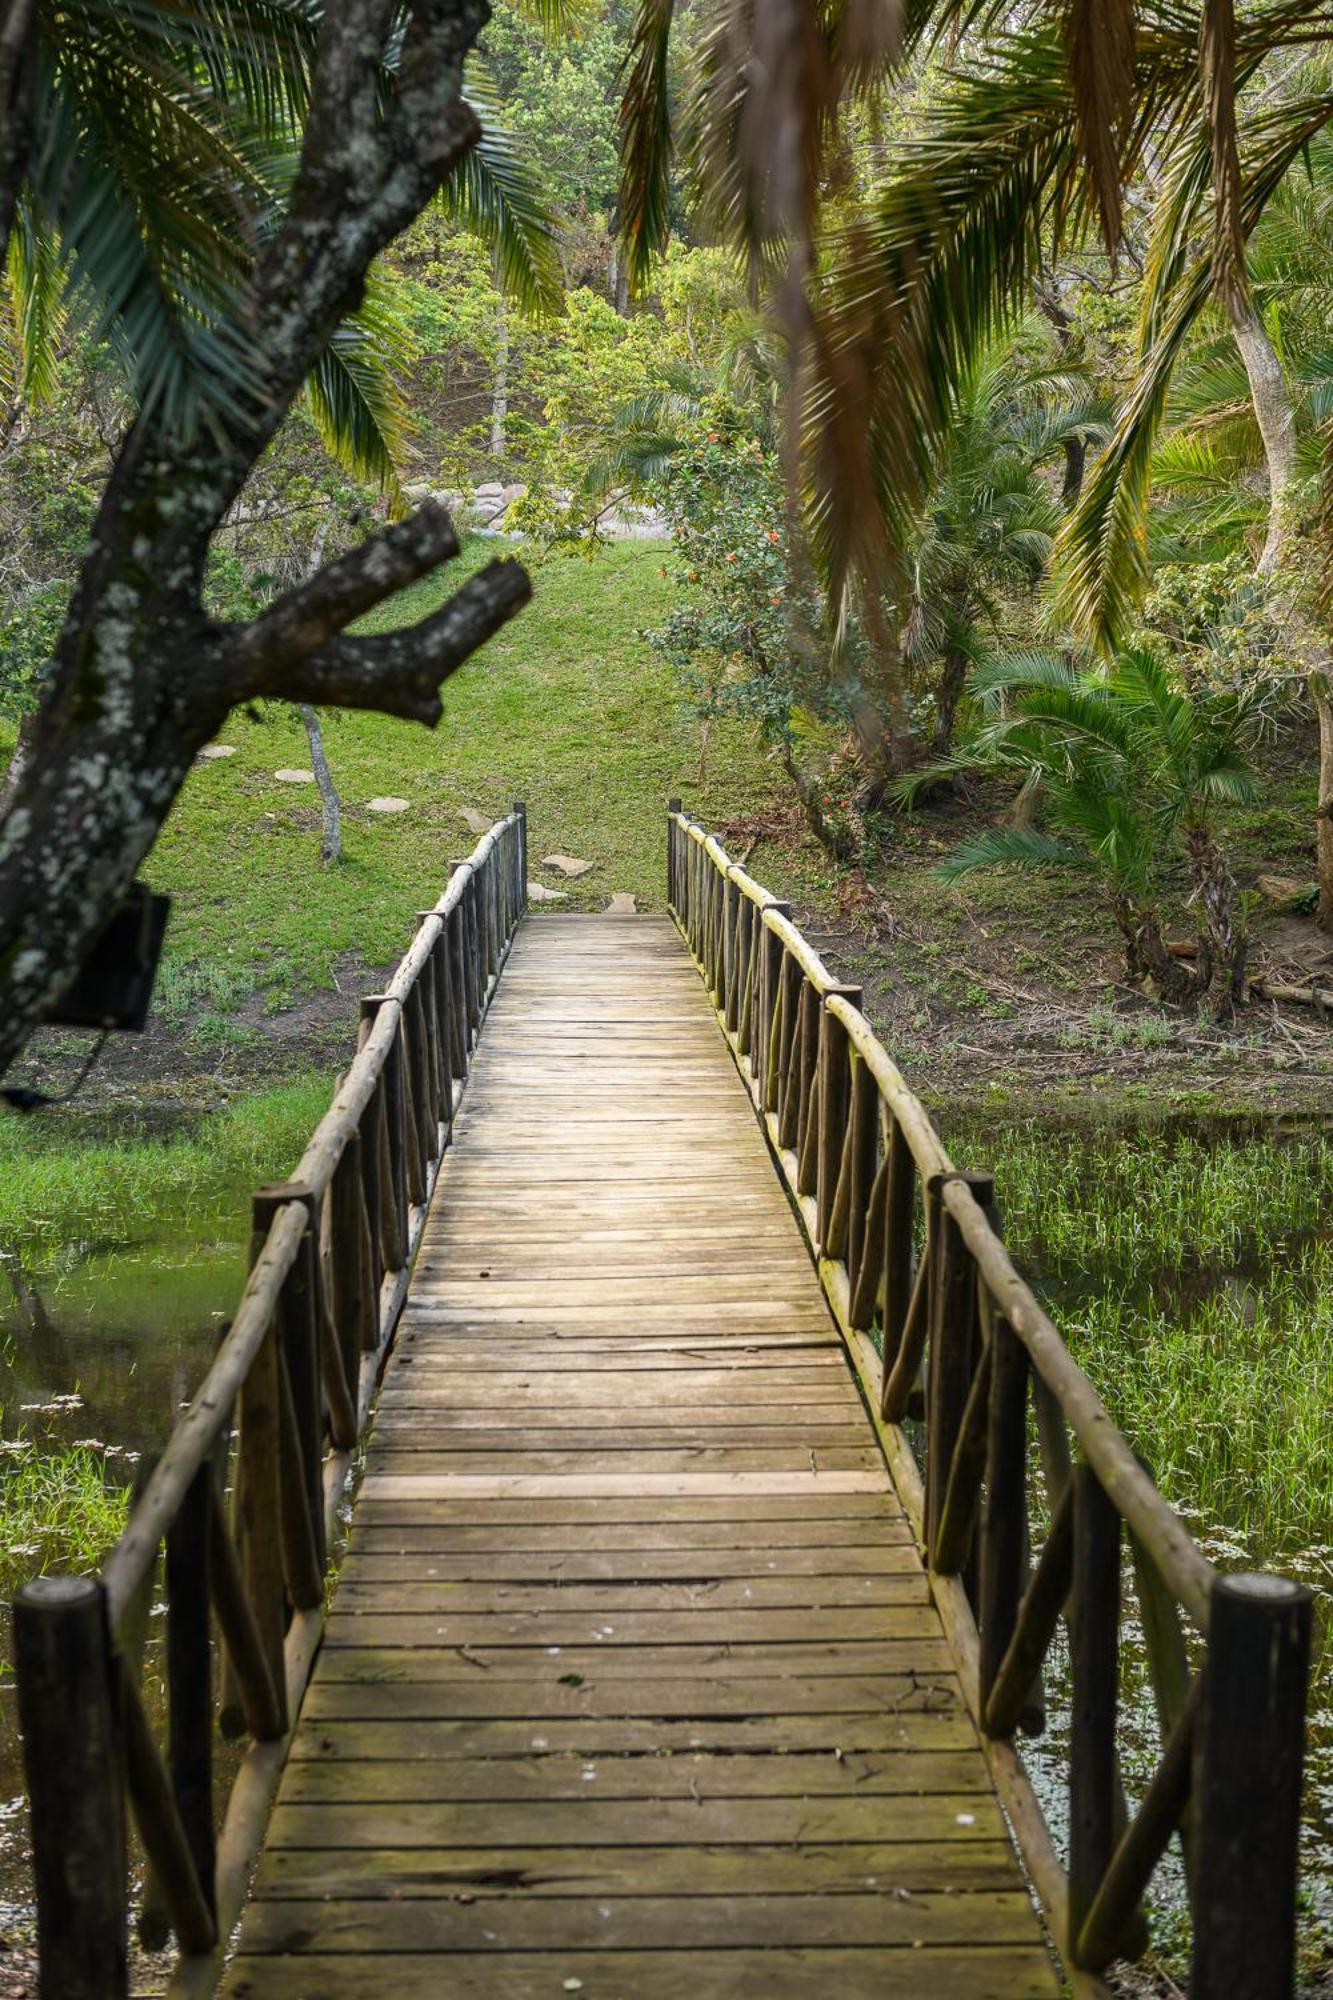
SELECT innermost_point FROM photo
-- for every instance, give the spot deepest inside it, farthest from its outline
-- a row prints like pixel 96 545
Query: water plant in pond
pixel 62 1191
pixel 60 1508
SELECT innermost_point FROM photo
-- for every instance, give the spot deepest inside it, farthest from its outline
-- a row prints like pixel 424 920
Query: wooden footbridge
pixel 652 1668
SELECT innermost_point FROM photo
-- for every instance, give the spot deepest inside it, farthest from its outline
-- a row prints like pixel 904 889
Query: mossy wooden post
pixel 1248 1752
pixel 190 1675
pixel 1004 1536
pixel 72 1761
pixel 899 1218
pixel 259 1509
pixel 465 911
pixel 393 1149
pixel 457 977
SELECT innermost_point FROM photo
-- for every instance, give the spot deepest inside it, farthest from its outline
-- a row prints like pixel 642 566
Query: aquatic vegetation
pixel 60 1507
pixel 63 1193
pixel 1192 1278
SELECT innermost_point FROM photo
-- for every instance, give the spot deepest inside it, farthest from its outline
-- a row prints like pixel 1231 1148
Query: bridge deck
pixel 632 1684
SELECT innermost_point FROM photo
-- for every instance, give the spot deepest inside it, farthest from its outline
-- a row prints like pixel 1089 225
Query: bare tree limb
pixel 307 616
pixel 400 673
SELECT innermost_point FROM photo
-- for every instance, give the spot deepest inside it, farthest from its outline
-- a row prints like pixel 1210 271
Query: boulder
pixel 568 865
pixel 295 777
pixel 539 893
pixel 387 805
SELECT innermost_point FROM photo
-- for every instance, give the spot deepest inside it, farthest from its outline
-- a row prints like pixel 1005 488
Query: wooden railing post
pixel 834 1106
pixel 673 836
pixel 767 1056
pixel 72 1761
pixel 190 1675
pixel 1004 1537
pixel 1248 1751
pixel 952 1353
pixel 1094 1645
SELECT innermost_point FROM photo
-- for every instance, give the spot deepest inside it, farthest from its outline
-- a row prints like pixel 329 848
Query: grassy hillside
pixel 568 708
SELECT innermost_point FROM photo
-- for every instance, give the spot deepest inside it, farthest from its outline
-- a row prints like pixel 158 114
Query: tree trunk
pixel 18 763
pixel 1321 692
pixel 953 674
pixel 1076 459
pixel 1277 424
pixel 500 384
pixel 838 843
pixel 1225 945
pixel 331 837
pixel 1147 957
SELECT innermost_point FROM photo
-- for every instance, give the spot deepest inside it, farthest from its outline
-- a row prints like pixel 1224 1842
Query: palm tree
pixel 1045 114
pixel 991 517
pixel 1133 770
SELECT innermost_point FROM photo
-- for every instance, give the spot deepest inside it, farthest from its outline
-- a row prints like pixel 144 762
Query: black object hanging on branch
pixel 111 989
pixel 114 985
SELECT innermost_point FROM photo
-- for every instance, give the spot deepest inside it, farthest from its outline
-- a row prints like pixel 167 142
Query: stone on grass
pixel 478 821
pixel 568 865
pixel 295 777
pixel 212 750
pixel 387 805
pixel 622 904
pixel 539 893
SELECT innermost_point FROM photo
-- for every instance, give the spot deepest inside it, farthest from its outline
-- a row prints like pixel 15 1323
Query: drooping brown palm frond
pixel 1217 62
pixel 1099 37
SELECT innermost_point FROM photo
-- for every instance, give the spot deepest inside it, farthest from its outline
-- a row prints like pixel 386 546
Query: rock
pixel 490 489
pixel 539 893
pixel 568 865
pixel 622 904
pixel 479 822
pixel 1284 890
pixel 295 777
pixel 212 750
pixel 388 805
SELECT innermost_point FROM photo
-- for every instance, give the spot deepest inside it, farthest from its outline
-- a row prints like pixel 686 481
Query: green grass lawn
pixel 568 708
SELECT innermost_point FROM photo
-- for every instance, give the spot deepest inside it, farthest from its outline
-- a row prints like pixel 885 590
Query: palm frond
pixel 646 144
pixel 1009 847
pixel 356 399
pixel 496 196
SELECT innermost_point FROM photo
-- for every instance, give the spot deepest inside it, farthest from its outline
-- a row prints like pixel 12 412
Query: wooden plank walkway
pixel 632 1685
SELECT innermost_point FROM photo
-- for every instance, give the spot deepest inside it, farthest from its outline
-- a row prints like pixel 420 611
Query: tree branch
pixel 400 673
pixel 306 617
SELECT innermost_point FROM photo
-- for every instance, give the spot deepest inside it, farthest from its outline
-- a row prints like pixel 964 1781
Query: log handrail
pixel 943 1329
pixel 331 1253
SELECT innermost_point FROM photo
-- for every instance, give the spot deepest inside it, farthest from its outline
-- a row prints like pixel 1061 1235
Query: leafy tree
pixel 1132 770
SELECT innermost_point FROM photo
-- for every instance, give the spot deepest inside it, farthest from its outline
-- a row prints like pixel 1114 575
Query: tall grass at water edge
pixel 1193 1280
pixel 64 1194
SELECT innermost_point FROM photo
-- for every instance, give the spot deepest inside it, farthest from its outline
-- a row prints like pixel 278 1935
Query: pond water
pixel 1190 1265
pixel 97 1351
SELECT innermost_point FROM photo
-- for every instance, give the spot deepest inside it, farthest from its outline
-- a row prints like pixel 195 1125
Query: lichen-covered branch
pixel 400 673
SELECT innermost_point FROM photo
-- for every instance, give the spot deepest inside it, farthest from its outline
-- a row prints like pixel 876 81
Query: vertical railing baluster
pixel 1004 1534
pixel 190 1676
pixel 952 1351
pixel 1094 1643
pixel 851 1238
pixel 833 1108
pixel 258 1502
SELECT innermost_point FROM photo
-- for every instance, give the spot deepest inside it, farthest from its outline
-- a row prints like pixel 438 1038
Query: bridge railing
pixel 331 1251
pixel 942 1328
